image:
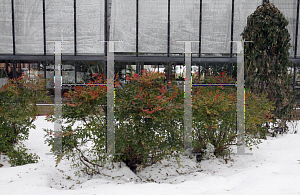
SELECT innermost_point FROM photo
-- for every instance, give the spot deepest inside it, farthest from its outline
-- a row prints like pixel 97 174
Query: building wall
pixel 86 24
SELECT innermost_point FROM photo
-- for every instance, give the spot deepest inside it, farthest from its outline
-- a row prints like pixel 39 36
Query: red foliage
pixel 163 89
pixel 151 96
pixel 217 97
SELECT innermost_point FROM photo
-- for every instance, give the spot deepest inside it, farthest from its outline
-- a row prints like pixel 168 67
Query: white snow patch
pixel 274 168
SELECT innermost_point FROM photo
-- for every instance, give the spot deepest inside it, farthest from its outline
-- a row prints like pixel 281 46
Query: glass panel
pixel 3 73
pixel 29 26
pixel 242 9
pixel 32 69
pixel 148 67
pixel 123 23
pixel 35 70
pixel 216 26
pixel 184 24
pixel 3 70
pixel 87 70
pixel 155 67
pixel 180 72
pixel 6 39
pixel 60 25
pixel 289 10
pixel 120 69
pixel 130 68
pixel 81 71
pixel 153 26
pixel 68 72
pixel 50 74
pixel 90 26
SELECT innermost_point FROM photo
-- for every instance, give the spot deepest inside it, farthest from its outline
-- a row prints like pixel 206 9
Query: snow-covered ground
pixel 274 168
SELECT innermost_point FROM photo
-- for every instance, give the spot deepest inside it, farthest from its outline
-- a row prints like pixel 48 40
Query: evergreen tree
pixel 267 62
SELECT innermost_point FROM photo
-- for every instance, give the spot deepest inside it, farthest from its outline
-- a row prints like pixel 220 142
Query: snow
pixel 274 168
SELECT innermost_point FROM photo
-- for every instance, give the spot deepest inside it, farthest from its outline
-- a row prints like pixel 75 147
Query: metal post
pixel 44 27
pixel 232 22
pixel 45 71
pixel 58 102
pixel 295 73
pixel 199 72
pixel 142 66
pixel 168 71
pixel 14 70
pixel 169 18
pixel 13 26
pixel 105 34
pixel 297 31
pixel 75 69
pixel 137 69
pixel 105 27
pixel 29 69
pixel 110 99
pixel 200 28
pixel 187 96
pixel 110 149
pixel 137 29
pixel 240 100
pixel 75 39
pixel 57 97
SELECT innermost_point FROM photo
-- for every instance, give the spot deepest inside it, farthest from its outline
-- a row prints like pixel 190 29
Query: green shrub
pixel 19 156
pixel 148 125
pixel 214 116
pixel 18 99
pixel 85 141
pixel 258 112
pixel 150 119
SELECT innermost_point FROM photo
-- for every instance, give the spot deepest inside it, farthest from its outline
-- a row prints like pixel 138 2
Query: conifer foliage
pixel 266 59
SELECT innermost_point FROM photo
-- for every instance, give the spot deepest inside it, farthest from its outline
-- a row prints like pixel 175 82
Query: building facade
pixel 149 31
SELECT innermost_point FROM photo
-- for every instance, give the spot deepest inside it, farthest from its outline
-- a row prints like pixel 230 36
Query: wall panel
pixel 184 24
pixel 216 26
pixel 6 39
pixel 153 26
pixel 60 25
pixel 123 25
pixel 242 10
pixel 289 9
pixel 90 26
pixel 29 26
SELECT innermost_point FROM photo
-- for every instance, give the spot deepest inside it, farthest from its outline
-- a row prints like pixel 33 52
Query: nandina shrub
pixel 149 113
pixel 259 111
pixel 18 99
pixel 214 119
pixel 84 127
pixel 214 116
